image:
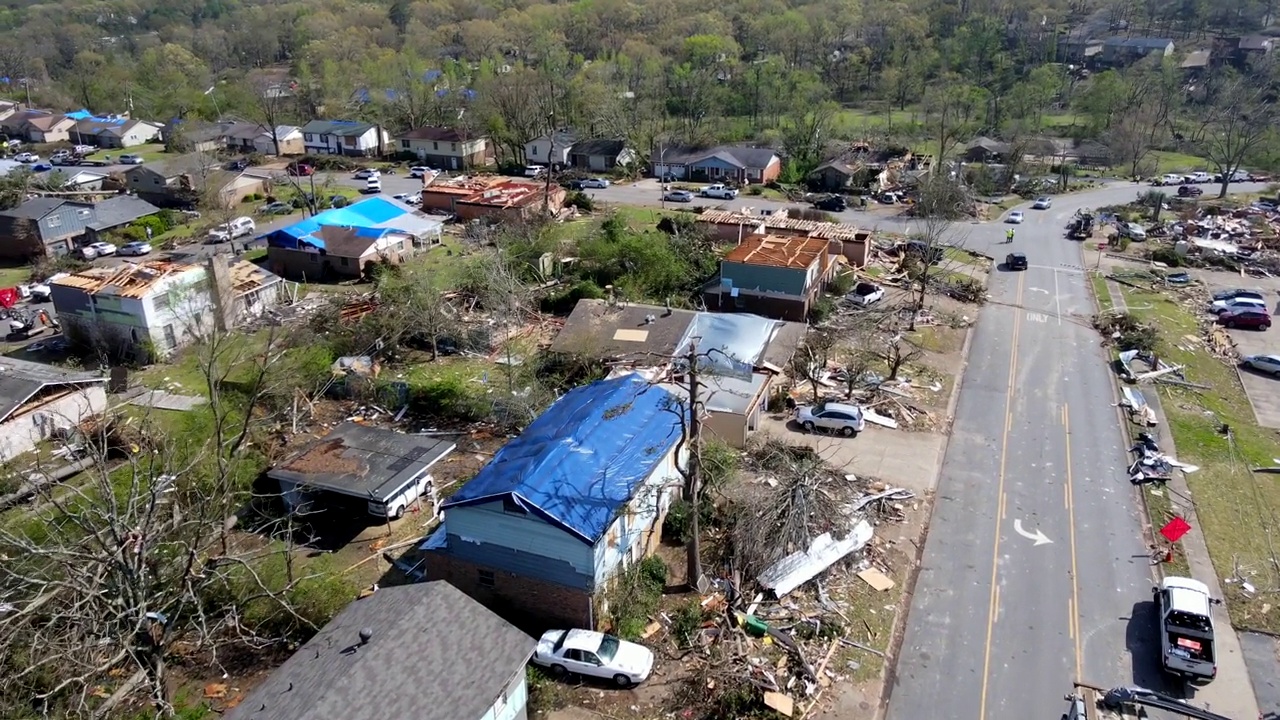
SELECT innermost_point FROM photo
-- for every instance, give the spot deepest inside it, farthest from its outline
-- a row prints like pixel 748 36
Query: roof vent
pixel 366 634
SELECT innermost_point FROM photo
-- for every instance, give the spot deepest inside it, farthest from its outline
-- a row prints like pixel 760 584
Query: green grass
pixel 1238 510
pixel 10 276
pixel 1100 291
pixel 149 152
pixel 1168 162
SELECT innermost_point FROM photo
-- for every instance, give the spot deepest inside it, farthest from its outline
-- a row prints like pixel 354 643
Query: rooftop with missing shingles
pixel 774 251
pixel 779 221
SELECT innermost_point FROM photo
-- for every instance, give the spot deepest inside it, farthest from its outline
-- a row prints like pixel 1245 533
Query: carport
pixel 360 462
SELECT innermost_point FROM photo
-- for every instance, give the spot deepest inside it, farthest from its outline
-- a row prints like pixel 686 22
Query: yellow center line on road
pixel 1071 525
pixel 994 603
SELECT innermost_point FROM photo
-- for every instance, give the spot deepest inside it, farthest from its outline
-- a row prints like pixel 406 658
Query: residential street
pixel 1035 572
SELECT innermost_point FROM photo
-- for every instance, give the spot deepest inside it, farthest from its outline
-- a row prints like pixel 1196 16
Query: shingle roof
pixel 601 147
pixel 432 654
pixel 340 128
pixel 363 461
pixel 120 210
pixel 582 459
pixel 36 208
pixel 21 379
pixel 738 156
pixel 561 138
pixel 439 134
pixel 1140 43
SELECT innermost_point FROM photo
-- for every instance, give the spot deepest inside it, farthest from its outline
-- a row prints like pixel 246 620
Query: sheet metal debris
pixel 799 568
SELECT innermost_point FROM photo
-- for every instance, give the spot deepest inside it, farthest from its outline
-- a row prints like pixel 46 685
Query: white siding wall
pixel 22 433
pixel 511 704
pixel 650 502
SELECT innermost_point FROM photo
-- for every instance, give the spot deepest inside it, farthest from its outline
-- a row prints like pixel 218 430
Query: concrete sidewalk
pixel 1231 693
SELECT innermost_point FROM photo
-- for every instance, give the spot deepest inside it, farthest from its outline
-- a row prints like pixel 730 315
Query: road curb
pixel 889 674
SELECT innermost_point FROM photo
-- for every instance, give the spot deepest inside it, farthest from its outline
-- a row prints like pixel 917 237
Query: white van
pixel 237 228
pixel 395 506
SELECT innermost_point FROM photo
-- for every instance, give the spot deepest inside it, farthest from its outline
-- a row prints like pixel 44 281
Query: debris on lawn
pixel 1152 466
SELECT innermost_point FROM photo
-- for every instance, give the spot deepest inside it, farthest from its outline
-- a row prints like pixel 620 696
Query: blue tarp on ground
pixel 583 459
pixel 363 215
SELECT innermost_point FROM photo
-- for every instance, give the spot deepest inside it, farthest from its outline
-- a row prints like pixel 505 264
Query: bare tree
pixel 1239 118
pixel 1129 141
pixel 941 201
pixel 111 574
pixel 271 106
pixel 419 306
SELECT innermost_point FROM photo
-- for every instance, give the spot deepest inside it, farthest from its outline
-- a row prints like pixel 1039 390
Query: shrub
pixel 1168 256
pixel 686 621
pixel 340 201
pixel 634 597
pixel 654 572
pixel 842 284
pixel 580 200
pixel 450 397
pixel 562 303
pixel 677 523
pixel 821 310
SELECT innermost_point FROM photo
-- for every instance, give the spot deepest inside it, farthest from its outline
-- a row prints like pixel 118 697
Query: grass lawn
pixel 150 152
pixel 1168 162
pixel 1239 511
pixel 10 276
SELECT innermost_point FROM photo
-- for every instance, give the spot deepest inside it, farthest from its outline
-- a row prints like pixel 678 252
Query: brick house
pixel 778 277
pixel 447 148
pixel 510 200
pixel 560 510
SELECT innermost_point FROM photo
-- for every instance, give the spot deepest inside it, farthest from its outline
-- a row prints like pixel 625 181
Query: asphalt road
pixel 1004 618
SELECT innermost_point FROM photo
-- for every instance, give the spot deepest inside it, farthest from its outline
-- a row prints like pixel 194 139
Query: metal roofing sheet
pixel 583 459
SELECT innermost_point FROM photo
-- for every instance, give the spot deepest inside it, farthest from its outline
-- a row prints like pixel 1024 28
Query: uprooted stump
pixel 1126 331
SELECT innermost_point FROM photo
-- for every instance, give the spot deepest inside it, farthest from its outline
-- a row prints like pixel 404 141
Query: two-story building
pixel 178 181
pixel 50 227
pixel 344 137
pixel 778 277
pixel 423 651
pixel 149 309
pixel 581 494
pixel 447 148
pixel 551 149
pixel 48 128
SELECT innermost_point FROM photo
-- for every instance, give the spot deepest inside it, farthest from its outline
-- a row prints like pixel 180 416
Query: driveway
pixel 1035 571
pixel 1263 390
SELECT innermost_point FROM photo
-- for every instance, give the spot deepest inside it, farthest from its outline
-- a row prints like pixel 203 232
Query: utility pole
pixel 693 472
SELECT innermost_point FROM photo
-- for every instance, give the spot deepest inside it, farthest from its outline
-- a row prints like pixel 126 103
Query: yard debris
pixel 799 568
pixel 1139 411
pixel 876 579
pixel 1152 466
pixel 780 702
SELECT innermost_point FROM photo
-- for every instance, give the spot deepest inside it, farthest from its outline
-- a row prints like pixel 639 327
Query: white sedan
pixel 367 174
pixel 1269 364
pixel 1014 218
pixel 842 418
pixel 419 171
pixel 599 183
pixel 26 157
pixel 585 652
pixel 135 248
pixel 103 249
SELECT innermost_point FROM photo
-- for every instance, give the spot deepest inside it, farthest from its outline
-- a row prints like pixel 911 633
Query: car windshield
pixel 608 648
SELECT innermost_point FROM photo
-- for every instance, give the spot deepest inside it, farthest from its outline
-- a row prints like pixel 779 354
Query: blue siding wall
pixel 521 544
pixel 767 278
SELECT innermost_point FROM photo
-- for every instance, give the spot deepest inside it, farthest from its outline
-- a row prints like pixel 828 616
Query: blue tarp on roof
pixel 582 460
pixel 80 115
pixel 362 215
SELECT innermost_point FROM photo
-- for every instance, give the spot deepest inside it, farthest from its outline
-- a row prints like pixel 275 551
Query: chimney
pixel 224 302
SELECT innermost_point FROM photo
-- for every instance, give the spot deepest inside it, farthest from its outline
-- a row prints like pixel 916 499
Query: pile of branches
pixel 1126 331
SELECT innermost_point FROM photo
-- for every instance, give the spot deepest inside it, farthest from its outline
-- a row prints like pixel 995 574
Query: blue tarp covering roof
pixel 582 460
pixel 365 216
pixel 80 115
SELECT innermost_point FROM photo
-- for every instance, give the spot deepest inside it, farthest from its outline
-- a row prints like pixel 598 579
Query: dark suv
pixel 1190 191
pixel 832 203
pixel 1250 319
pixel 1015 261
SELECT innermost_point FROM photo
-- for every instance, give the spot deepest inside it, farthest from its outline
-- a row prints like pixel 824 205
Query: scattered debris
pixel 876 579
pixel 799 568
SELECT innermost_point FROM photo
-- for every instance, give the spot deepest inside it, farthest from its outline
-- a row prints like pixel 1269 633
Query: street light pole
pixel 662 179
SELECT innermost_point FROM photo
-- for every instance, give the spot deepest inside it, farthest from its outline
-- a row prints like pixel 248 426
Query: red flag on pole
pixel 1174 531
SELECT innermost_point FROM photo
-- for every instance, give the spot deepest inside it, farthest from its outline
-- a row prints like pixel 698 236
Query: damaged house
pixel 743 354
pixel 147 310
pixel 779 277
pixel 38 401
pixel 580 495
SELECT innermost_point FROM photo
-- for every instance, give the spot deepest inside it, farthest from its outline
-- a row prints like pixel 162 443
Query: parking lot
pixel 1263 390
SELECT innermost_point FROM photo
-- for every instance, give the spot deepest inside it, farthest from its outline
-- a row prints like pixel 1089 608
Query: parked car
pixel 40 292
pixel 26 157
pixel 1249 319
pixel 135 248
pixel 865 294
pixel 130 160
pixel 419 171
pixel 719 191
pixel 1269 364
pixel 103 248
pixel 1225 295
pixel 681 196
pixel 838 417
pixel 1201 177
pixel 409 198
pixel 1133 231
pixel 1190 191
pixel 237 165
pixel 86 252
pixel 1168 179
pixel 1044 202
pixel 372 186
pixel 367 174
pixel 595 183
pixel 832 203
pixel 42 167
pixel 1217 307
pixel 276 208
pixel 1015 261
pixel 83 150
pixel 534 171
pixel 59 155
pixel 586 652
pixel 298 169
pixel 238 228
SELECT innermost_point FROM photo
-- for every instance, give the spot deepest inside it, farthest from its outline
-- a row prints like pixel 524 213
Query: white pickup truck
pixel 718 191
pixel 1186 629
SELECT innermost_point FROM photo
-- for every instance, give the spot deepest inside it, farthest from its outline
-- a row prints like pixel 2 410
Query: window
pixel 509 505
pixel 344 262
pixel 404 144
pixel 307 137
pixel 83 212
pixel 739 301
pixel 170 339
pixel 453 147
pixel 485 578
pixel 53 221
pixel 533 151
pixel 315 257
pixel 435 146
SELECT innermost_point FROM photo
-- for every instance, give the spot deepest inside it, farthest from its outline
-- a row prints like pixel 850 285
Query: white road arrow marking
pixel 1038 535
pixel 1046 292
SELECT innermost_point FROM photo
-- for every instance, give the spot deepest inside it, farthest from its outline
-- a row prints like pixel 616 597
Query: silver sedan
pixel 1269 364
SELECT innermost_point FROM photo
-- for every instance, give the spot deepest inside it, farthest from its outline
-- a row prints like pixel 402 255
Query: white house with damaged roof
pixel 38 401
pixel 147 310
pixel 345 137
